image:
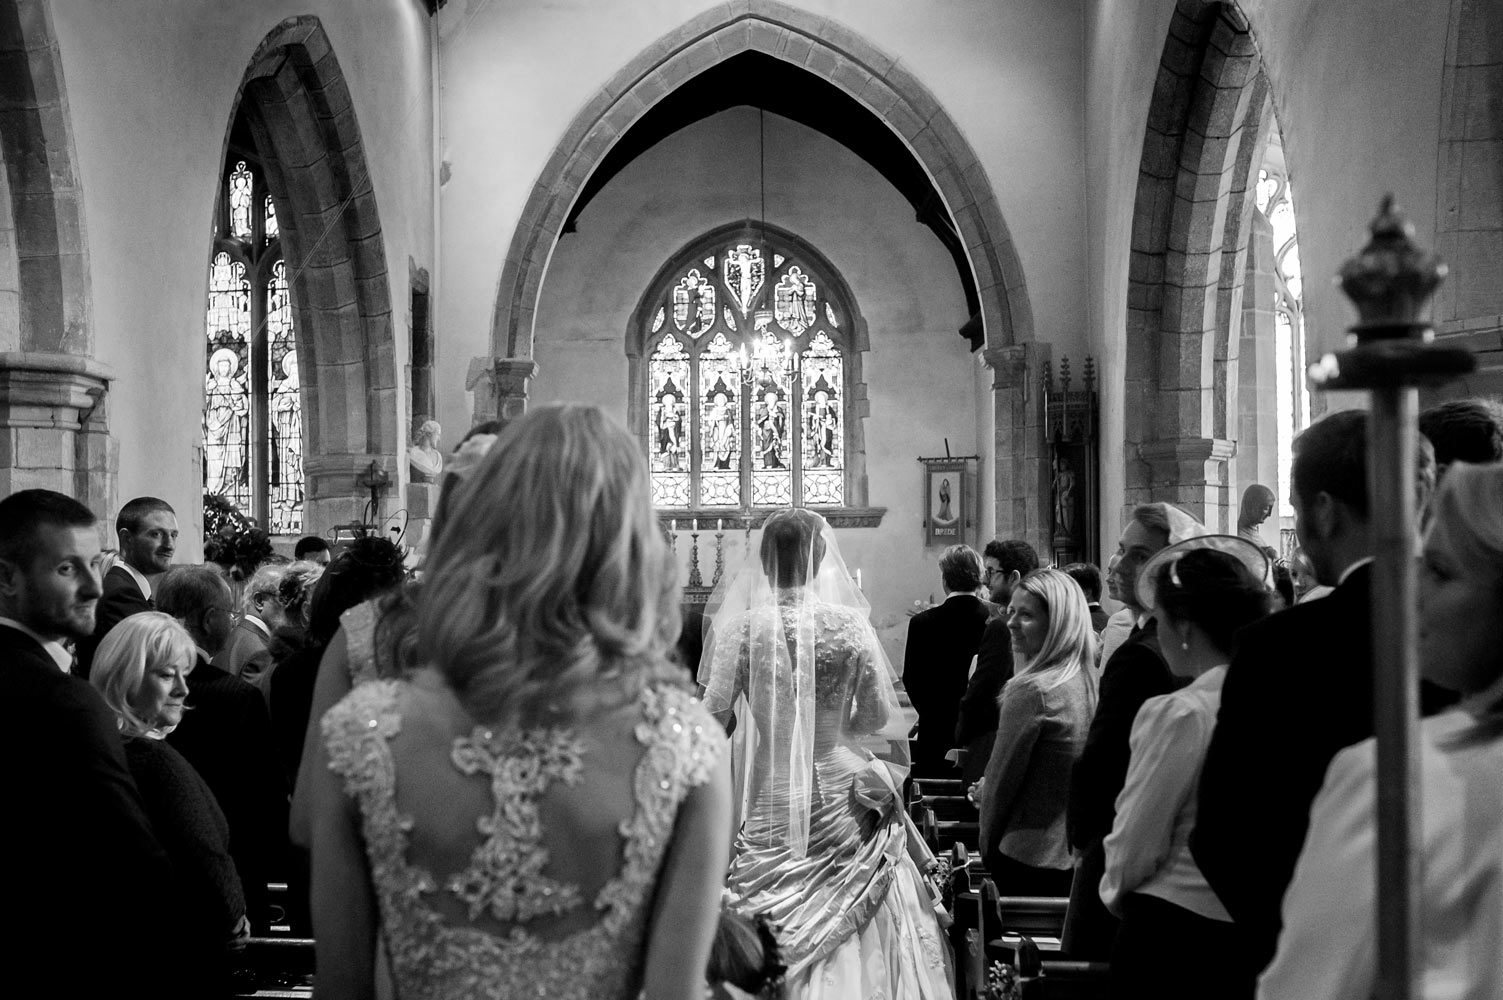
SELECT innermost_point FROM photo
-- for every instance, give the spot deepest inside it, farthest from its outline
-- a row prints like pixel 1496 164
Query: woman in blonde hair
pixel 537 808
pixel 1046 711
pixel 140 670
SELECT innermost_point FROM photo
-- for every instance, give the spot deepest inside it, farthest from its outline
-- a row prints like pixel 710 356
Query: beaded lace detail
pixel 359 625
pixel 432 959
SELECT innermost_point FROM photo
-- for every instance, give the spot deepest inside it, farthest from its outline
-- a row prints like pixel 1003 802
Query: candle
pixel 858 579
pixel 695 522
pixel 719 524
pixel 673 524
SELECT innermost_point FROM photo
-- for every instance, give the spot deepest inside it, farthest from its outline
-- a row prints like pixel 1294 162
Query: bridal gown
pixel 852 917
pixel 510 865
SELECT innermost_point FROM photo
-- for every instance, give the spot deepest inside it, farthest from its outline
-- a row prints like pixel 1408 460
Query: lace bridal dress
pixel 822 850
pixel 521 865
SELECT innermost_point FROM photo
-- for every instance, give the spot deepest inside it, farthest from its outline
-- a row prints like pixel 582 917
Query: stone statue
pixel 1064 498
pixel 424 459
pixel 1257 505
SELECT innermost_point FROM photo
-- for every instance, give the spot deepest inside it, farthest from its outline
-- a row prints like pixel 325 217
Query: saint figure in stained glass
pixel 822 426
pixel 723 432
pixel 240 201
pixel 772 428
pixel 670 428
pixel 287 449
pixel 226 414
pixel 694 304
pixel 744 272
pixel 794 301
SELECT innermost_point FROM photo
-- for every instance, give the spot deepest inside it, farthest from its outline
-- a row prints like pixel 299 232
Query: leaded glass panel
pixel 227 400
pixel 694 304
pixel 772 457
pixel 672 432
pixel 720 423
pixel 794 304
pixel 270 224
pixel 286 403
pixel 241 201
pixel 823 385
pixel 745 270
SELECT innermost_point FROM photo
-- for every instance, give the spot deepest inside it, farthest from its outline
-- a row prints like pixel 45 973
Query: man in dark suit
pixel 226 735
pixel 1135 673
pixel 1089 578
pixel 146 529
pixel 941 643
pixel 1298 689
pixel 1004 564
pixel 77 842
pixel 247 652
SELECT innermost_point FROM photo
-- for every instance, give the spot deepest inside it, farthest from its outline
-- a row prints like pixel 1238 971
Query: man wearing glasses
pixel 146 528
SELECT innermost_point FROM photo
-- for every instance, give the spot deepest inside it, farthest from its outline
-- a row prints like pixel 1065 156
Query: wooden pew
pixel 1023 931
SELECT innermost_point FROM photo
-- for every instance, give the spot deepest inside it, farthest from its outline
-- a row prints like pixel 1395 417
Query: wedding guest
pixel 141 671
pixel 546 725
pixel 1045 714
pixel 1201 591
pixel 939 656
pixel 1327 948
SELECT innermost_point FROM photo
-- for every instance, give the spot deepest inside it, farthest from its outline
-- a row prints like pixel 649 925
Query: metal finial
pixel 1090 373
pixel 1391 280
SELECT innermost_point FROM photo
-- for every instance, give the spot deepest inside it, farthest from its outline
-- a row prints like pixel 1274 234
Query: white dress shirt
pixel 1148 850
pixel 1327 948
pixel 1118 627
pixel 53 648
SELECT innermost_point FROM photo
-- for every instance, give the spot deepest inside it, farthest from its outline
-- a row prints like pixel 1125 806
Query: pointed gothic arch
pixel 820 46
pixel 1207 128
pixel 53 422
pixel 298 105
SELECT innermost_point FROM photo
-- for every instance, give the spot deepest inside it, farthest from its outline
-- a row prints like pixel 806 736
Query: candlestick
pixel 695 580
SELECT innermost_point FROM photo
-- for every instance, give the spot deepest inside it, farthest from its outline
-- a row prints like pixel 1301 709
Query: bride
pixel 823 849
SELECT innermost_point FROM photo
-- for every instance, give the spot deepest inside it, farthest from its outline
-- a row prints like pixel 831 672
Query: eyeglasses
pixel 989 573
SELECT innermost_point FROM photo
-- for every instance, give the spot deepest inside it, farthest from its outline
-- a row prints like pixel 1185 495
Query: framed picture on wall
pixel 947 514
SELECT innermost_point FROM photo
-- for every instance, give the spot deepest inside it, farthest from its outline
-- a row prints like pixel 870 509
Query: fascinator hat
pixel 1245 552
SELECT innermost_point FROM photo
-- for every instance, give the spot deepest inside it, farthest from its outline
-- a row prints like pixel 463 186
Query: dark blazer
pixel 941 642
pixel 976 724
pixel 1099 618
pixel 1135 673
pixel 122 598
pixel 1299 688
pixel 76 836
pixel 247 654
pixel 226 735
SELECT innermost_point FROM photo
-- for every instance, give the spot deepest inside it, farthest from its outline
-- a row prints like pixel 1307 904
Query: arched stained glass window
pixel 252 423
pixel 745 362
pixel 1275 199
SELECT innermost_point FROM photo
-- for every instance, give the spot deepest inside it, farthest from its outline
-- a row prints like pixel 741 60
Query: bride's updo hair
pixel 553 572
pixel 792 547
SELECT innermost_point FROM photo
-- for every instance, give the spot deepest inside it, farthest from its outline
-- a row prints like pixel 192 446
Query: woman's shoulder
pixel 682 737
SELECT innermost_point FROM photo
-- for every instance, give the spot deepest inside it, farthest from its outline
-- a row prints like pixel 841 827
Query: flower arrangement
pixel 232 539
pixel 1002 982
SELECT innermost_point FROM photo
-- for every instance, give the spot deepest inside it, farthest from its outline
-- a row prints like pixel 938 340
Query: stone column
pixel 1020 471
pixel 53 429
pixel 338 494
pixel 1191 473
pixel 500 386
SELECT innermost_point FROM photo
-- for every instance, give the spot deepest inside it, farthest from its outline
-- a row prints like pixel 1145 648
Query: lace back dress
pixel 516 864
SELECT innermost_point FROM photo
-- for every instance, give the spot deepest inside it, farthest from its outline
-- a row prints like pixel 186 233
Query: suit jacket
pixel 976 723
pixel 1135 673
pixel 77 835
pixel 226 735
pixel 941 642
pixel 122 598
pixel 246 655
pixel 1099 618
pixel 1299 688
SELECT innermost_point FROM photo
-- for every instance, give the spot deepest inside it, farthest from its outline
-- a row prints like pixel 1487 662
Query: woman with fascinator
pixel 1201 591
pixel 822 851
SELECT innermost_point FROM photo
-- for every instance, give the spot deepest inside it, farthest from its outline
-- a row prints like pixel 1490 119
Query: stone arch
pixel 1207 125
pixel 53 428
pixel 824 48
pixel 298 104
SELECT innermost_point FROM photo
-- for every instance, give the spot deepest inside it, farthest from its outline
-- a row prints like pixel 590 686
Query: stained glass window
pixel 252 420
pixel 1275 199
pixel 746 390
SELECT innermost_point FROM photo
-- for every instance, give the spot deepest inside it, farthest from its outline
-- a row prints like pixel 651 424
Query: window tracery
pixel 252 418
pixel 745 395
pixel 1275 199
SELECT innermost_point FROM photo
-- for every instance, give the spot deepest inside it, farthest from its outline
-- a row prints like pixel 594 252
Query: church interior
pixel 944 271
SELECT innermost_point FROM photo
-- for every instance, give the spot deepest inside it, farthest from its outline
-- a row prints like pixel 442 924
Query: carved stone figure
pixel 424 459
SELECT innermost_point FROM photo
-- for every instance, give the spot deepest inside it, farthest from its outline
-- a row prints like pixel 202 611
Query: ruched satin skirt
pixel 851 916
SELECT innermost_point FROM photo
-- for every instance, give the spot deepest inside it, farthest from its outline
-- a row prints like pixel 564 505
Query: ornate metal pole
pixel 1391 282
pixel 695 580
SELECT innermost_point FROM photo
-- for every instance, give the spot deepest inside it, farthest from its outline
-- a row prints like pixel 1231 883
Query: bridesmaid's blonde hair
pixel 552 573
pixel 1069 644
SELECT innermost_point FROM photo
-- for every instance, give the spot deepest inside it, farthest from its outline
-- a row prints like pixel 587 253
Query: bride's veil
pixel 761 642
